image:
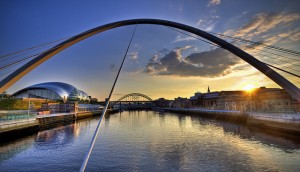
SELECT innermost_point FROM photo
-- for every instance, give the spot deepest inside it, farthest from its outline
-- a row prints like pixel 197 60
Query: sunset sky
pixel 161 62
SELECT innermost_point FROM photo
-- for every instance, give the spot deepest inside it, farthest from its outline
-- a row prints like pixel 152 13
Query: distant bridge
pixel 135 97
pixel 133 101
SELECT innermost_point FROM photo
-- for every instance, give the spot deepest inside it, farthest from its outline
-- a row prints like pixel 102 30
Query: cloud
pixel 181 38
pixel 213 2
pixel 245 12
pixel 180 7
pixel 113 68
pixel 208 24
pixel 134 55
pixel 271 28
pixel 292 35
pixel 163 51
pixel 214 63
pixel 262 23
pixel 295 37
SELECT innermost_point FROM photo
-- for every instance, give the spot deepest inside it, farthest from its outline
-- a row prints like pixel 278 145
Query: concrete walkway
pixel 278 117
pixel 55 114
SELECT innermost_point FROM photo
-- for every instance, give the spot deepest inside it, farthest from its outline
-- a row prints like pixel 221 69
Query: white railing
pixel 280 117
pixel 15 123
pixel 13 118
pixel 16 115
pixel 205 110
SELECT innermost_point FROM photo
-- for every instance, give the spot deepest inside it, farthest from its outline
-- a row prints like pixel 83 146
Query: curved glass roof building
pixel 53 91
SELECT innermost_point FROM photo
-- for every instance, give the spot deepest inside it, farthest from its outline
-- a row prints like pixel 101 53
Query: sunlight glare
pixel 248 87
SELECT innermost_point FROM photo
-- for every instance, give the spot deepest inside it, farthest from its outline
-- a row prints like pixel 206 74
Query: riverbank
pixel 19 130
pixel 16 129
pixel 263 121
pixel 151 141
pixel 266 123
pixel 233 116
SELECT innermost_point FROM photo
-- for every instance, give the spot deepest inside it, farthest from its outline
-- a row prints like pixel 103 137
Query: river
pixel 151 141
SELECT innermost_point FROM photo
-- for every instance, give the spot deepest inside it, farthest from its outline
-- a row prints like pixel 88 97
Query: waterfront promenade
pixel 279 117
pixel 286 123
pixel 18 123
pixel 279 122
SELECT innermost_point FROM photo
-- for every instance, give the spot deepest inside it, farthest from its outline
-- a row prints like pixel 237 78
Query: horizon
pixel 205 92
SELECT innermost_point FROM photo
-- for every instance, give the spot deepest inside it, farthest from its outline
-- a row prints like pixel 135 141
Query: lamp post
pixel 65 108
pixel 28 104
pixel 250 101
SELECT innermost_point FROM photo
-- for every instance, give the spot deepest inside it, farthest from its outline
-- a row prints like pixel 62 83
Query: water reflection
pixel 10 149
pixel 261 136
pixel 151 141
pixel 254 134
pixel 61 136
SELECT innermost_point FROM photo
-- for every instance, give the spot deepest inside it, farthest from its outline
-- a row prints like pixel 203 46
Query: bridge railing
pixel 88 108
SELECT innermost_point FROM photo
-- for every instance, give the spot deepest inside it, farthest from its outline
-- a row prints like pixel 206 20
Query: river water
pixel 151 141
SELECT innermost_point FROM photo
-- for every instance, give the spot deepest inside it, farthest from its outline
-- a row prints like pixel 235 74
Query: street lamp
pixel 28 105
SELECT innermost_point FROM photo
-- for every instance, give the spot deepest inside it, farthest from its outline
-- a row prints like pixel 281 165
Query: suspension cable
pixel 86 159
pixel 37 46
pixel 3 74
pixel 291 78
pixel 21 54
pixel 256 48
pixel 16 62
pixel 283 70
pixel 236 38
pixel 292 52
pixel 194 37
pixel 240 40
pixel 279 64
pixel 279 56
pixel 261 56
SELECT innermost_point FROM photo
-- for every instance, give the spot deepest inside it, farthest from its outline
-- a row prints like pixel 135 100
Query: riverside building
pixel 58 91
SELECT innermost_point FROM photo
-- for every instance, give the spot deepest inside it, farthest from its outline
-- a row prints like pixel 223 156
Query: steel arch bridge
pixel 293 90
pixel 135 97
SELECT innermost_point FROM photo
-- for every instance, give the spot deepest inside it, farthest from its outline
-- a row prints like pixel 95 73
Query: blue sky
pixel 150 67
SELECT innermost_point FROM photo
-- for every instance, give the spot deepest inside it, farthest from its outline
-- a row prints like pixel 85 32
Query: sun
pixel 249 87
